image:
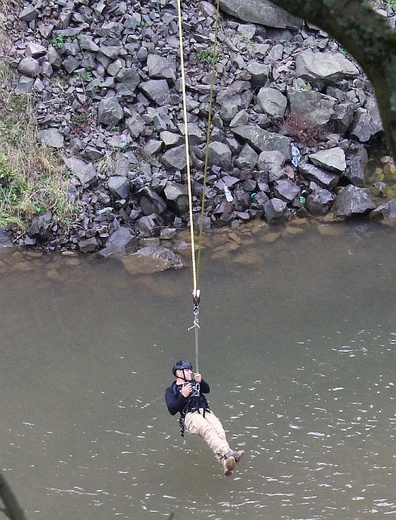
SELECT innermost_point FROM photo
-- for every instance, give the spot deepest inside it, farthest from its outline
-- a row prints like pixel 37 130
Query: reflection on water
pixel 297 340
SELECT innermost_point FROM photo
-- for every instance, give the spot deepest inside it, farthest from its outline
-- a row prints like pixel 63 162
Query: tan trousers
pixel 210 429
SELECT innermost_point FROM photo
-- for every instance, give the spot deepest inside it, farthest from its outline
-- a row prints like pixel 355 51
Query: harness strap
pixel 182 418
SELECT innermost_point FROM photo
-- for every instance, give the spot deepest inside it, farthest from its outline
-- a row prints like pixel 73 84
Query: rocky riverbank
pixel 293 119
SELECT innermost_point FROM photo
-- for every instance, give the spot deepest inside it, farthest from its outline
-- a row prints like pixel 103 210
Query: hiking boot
pixel 238 455
pixel 228 465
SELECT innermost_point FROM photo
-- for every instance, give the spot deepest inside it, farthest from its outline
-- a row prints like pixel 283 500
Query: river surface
pixel 297 340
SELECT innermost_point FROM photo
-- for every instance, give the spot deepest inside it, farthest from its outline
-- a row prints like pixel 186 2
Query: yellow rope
pixel 189 186
pixel 196 260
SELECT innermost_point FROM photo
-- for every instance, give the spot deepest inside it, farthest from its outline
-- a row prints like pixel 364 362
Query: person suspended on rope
pixel 186 396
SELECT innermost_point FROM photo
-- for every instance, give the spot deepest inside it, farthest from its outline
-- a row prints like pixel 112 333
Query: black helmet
pixel 181 365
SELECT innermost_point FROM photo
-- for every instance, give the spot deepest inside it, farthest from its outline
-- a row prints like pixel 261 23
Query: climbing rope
pixel 196 252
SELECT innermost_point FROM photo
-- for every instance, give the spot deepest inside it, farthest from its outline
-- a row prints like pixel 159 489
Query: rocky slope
pixel 293 117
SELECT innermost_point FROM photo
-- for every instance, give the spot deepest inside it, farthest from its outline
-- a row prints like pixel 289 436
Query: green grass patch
pixel 33 178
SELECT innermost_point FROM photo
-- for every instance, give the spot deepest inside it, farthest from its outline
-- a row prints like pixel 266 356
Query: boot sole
pixel 240 456
pixel 229 466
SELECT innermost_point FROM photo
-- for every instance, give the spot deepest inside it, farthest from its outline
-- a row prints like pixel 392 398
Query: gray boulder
pixel 342 117
pixel 258 71
pixel 5 238
pixel 319 201
pixel 161 67
pixel 219 154
pixel 271 163
pixel 240 119
pixel 70 64
pixel 119 186
pixel 372 108
pixel 332 159
pixel 119 141
pixel 127 79
pixel 110 112
pixel 272 102
pixel 324 66
pixel 357 161
pixel 367 122
pixel 275 211
pixel 35 50
pixel 257 204
pixel 28 14
pixel 157 90
pixel 149 226
pixel 229 107
pixel 109 51
pixel 84 172
pixel 387 210
pixel 51 137
pixel 152 147
pixel 262 140
pixel 87 43
pixel 352 201
pixel 247 158
pixel 323 178
pixel 170 139
pixel 118 243
pixel 151 202
pixel 286 190
pixel 260 12
pixel 29 67
pixel 151 259
pixel 25 84
pixel 233 98
pixel 175 158
pixel 135 124
pixel 54 58
pixel 176 195
pixel 88 245
pixel 362 127
pixel 40 225
pixel 313 108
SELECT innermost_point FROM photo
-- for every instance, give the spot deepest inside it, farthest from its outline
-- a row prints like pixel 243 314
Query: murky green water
pixel 297 340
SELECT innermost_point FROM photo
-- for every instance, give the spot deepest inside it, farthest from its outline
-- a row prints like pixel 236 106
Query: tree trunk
pixel 368 37
pixel 12 508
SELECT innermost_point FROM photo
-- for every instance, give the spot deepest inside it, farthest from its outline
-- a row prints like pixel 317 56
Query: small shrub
pixel 81 120
pixel 58 41
pixel 86 75
pixel 295 126
pixel 206 55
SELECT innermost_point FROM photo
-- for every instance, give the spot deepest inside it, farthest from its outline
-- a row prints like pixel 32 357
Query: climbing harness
pixel 196 251
pixel 196 403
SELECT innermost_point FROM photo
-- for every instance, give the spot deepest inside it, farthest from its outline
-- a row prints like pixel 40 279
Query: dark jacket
pixel 176 402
